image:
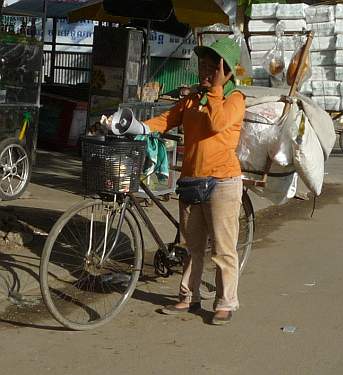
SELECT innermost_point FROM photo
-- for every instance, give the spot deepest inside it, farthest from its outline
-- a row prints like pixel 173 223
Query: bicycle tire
pixel 245 238
pixel 91 287
pixel 15 169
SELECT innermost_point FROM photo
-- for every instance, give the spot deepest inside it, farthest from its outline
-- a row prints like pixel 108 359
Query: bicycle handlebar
pixel 172 137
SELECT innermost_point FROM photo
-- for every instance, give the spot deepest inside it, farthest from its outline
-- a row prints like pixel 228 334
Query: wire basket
pixel 111 165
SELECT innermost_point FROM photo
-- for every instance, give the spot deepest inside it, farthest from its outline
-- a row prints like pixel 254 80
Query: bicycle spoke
pixel 4 178
pixel 90 291
pixel 24 157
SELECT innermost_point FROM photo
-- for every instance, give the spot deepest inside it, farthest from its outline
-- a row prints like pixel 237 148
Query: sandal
pixel 219 320
pixel 173 310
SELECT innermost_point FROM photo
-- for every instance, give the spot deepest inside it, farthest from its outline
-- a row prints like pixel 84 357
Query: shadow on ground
pixel 58 171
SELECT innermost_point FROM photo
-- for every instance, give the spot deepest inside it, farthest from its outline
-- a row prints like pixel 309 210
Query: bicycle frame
pixel 149 223
pixel 124 205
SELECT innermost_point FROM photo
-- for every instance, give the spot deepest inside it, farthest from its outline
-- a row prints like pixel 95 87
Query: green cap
pixel 226 48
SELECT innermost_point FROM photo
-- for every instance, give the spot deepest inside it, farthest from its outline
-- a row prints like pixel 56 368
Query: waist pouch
pixel 195 190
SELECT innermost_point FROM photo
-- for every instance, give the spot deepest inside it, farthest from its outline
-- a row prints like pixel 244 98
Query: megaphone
pixel 124 122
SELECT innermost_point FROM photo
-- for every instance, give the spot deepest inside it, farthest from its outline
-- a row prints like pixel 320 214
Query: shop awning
pixel 35 8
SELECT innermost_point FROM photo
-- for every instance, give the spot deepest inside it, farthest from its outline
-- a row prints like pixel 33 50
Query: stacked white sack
pixel 323 73
pixel 320 14
pixel 262 26
pixel 263 11
pixel 339 11
pixel 330 103
pixel 325 80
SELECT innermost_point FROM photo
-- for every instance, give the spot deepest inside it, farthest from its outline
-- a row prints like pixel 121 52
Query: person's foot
pixel 221 317
pixel 181 307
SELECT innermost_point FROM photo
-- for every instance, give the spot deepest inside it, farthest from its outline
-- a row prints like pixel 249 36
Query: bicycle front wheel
pixel 81 289
pixel 245 238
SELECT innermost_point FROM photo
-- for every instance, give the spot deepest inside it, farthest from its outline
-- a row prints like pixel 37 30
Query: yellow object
pixel 301 130
pixel 196 13
pixel 199 13
pixel 23 130
pixel 95 12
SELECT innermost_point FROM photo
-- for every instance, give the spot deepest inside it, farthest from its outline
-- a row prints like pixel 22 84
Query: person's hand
pixel 220 78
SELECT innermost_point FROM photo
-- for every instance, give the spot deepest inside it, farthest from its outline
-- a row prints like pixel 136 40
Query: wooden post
pixel 53 50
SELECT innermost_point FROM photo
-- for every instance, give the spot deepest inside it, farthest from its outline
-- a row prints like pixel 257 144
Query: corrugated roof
pixel 35 8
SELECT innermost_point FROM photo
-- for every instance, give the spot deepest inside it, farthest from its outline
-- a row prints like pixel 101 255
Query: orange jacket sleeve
pixel 167 120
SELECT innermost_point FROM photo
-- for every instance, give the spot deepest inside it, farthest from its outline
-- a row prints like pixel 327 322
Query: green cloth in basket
pixel 156 156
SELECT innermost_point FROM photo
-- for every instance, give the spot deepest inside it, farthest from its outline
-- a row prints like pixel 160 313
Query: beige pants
pixel 219 219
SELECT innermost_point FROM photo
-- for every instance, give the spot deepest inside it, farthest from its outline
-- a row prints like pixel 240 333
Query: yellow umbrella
pixel 195 13
pixel 199 13
pixel 94 10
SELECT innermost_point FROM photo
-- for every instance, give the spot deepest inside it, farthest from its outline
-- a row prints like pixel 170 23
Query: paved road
pixel 293 278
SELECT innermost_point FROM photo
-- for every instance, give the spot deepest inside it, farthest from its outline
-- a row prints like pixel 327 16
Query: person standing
pixel 211 120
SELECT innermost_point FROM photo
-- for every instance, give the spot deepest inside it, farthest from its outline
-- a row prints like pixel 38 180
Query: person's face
pixel 208 68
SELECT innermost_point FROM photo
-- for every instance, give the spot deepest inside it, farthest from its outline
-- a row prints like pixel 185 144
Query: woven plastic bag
pixel 308 157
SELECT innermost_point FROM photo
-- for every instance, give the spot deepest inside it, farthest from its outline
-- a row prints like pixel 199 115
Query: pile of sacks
pixel 326 54
pixel 298 143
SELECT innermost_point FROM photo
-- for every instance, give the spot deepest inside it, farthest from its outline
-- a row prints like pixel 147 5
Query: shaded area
pixel 58 171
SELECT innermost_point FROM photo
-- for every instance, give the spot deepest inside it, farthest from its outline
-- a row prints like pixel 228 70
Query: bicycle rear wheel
pixel 245 238
pixel 80 291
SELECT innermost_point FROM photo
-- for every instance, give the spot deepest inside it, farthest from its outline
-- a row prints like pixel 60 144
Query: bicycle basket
pixel 112 165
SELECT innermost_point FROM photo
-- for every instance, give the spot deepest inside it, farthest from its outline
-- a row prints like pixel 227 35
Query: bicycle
pixel 94 254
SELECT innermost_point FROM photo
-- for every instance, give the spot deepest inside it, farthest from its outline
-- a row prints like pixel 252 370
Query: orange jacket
pixel 211 132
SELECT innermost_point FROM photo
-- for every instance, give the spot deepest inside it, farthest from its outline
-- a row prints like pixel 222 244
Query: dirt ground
pixel 293 281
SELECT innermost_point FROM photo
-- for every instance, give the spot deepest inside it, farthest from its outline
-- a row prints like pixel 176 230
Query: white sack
pixel 267 42
pixel 322 73
pixel 291 11
pixel 339 57
pixel 323 13
pixel 322 28
pixel 277 189
pixel 321 123
pixel 339 27
pixel 308 156
pixel 331 88
pixel 263 11
pixel 261 42
pixel 293 25
pixel 261 25
pixel 281 151
pixel 323 58
pixel 323 43
pixel 339 73
pixel 257 57
pixel 329 103
pixel 259 134
pixel 339 11
pixel 339 41
pixel 306 88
